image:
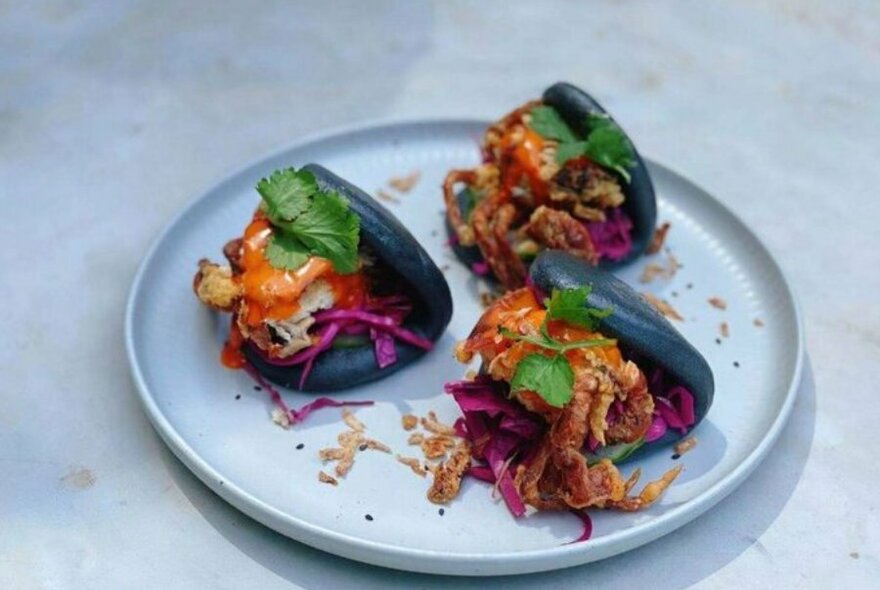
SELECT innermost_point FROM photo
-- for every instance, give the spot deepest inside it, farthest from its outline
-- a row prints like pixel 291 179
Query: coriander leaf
pixel 546 341
pixel 287 193
pixel 550 377
pixel 567 151
pixel 329 229
pixel 570 305
pixel 549 124
pixel 285 251
pixel 608 146
pixel 615 453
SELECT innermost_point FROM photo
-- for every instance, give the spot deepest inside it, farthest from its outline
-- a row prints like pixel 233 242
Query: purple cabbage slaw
pixel 379 317
pixel 500 432
pixel 503 435
pixel 612 238
pixel 673 406
pixel 296 415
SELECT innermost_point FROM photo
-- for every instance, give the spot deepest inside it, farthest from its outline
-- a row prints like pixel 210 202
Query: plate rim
pixel 426 560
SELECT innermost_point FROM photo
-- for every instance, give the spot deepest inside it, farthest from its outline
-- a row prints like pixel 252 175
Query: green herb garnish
pixel 551 375
pixel 308 222
pixel 569 305
pixel 547 122
pixel 615 453
pixel 285 251
pixel 605 143
pixel 472 198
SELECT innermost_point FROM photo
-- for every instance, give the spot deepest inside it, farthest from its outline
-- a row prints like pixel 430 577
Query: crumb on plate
pixel 717 302
pixel 325 478
pixel 658 238
pixel 686 445
pixel 663 306
pixel 414 464
pixel 406 183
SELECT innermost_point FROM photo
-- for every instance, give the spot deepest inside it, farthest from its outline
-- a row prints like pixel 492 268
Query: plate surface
pixel 220 427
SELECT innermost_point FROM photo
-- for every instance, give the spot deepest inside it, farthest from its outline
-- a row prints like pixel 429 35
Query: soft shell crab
pixel 556 174
pixel 360 300
pixel 633 384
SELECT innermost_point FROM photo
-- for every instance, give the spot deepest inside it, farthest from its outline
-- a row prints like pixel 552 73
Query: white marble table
pixel 113 116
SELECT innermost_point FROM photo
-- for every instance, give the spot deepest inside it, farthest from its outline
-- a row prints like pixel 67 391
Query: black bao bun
pixel 399 251
pixel 573 104
pixel 644 335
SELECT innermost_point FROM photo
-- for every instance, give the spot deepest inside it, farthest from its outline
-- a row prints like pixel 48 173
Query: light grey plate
pixel 173 345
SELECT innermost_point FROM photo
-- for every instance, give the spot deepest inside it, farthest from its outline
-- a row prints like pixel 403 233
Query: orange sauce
pixel 231 356
pixel 271 293
pixel 525 162
pixel 560 331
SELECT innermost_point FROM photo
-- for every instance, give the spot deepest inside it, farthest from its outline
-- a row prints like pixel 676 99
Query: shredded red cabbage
pixel 482 473
pixel 500 432
pixel 300 414
pixel 656 430
pixel 588 526
pixel 380 317
pixel 381 322
pixel 383 343
pixel 480 268
pixel 612 237
pixel 673 407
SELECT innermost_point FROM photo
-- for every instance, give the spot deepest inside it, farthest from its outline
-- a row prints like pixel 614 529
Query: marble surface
pixel 113 115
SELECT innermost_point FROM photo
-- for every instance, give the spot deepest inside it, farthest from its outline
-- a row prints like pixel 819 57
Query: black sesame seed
pixel 736 364
pixel 300 446
pixel 257 388
pixel 238 396
pixel 675 293
pixel 368 517
pixel 441 512
pixel 690 285
pixel 718 341
pixel 362 447
pixel 676 457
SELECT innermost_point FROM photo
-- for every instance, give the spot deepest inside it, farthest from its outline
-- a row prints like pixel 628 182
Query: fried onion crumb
pixel 404 184
pixel 724 329
pixel 432 424
pixel 386 196
pixel 663 306
pixel 350 442
pixel 448 475
pixel 718 303
pixel 409 421
pixel 658 238
pixel 280 418
pixel 349 418
pixel 686 445
pixel 436 446
pixel 324 478
pixel 414 464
